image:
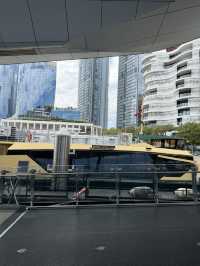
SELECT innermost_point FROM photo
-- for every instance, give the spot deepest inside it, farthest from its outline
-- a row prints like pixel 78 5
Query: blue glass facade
pixel 36 86
pixel 67 114
pixel 26 86
pixel 8 81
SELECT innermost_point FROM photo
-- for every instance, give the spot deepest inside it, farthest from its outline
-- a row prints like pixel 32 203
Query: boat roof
pixel 187 177
pixel 139 147
pixel 10 163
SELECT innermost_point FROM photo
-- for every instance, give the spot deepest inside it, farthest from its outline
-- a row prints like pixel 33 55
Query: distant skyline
pixel 67 86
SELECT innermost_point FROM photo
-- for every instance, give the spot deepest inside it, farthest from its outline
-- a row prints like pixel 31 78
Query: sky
pixel 67 86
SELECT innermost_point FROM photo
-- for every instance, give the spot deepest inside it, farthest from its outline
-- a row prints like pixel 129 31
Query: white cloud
pixel 67 83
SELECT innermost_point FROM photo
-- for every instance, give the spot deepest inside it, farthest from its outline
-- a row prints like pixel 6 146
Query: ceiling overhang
pixel 48 30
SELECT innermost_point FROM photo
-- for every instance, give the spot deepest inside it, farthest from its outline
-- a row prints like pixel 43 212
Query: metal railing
pixel 116 184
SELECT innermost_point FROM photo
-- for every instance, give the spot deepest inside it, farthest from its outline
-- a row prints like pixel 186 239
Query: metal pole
pixel 117 188
pixel 66 186
pixel 1 187
pixel 77 196
pixel 87 187
pixel 156 188
pixel 32 182
pixel 194 185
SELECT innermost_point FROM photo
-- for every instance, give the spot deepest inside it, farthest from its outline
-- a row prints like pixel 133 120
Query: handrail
pixel 68 185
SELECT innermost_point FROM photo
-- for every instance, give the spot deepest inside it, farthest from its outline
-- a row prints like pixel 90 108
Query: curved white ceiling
pixel 46 30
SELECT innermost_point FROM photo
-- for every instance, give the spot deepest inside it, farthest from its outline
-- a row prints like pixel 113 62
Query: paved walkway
pixel 5 214
pixel 104 236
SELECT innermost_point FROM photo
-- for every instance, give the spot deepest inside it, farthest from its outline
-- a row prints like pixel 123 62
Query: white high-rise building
pixel 130 89
pixel 172 85
pixel 93 90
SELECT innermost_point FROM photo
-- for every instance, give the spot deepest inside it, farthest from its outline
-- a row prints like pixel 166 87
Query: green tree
pixel 111 131
pixel 158 130
pixel 190 132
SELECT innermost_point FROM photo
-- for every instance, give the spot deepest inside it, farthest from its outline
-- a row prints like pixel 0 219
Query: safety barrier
pixel 118 184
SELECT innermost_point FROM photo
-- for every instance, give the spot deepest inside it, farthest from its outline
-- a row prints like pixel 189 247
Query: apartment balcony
pixel 180 83
pixel 181 66
pixel 184 112
pixel 179 121
pixel 181 49
pixel 147 60
pixel 184 73
pixel 184 92
pixel 182 105
pixel 146 68
pixel 183 56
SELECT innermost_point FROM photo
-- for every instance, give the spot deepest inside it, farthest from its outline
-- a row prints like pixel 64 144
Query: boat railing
pixel 112 184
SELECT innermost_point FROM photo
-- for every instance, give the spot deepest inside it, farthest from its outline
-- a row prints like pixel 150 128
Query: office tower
pixel 26 86
pixel 172 85
pixel 8 79
pixel 130 89
pixel 93 90
pixel 36 86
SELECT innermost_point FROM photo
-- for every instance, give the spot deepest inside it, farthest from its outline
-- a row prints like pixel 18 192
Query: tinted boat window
pixel 109 161
pixel 173 167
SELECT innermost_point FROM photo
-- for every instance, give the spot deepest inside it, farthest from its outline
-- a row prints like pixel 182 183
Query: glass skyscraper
pixel 36 86
pixel 26 86
pixel 8 81
pixel 130 89
pixel 93 90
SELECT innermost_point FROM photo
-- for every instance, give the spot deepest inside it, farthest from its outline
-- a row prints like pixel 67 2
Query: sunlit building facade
pixel 172 85
pixel 130 89
pixel 93 90
pixel 36 86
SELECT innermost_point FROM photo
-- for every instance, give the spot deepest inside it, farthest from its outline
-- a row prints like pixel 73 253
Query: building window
pixel 50 127
pixel 57 127
pixel 88 130
pixel 17 124
pixel 180 83
pixel 184 92
pixel 182 66
pixel 24 125
pixel 179 121
pixel 146 108
pixel 37 126
pixel 31 126
pixel 151 92
pixel 44 126
pixel 181 103
pixel 184 74
pixel 151 123
pixel 185 111
pixel 82 129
